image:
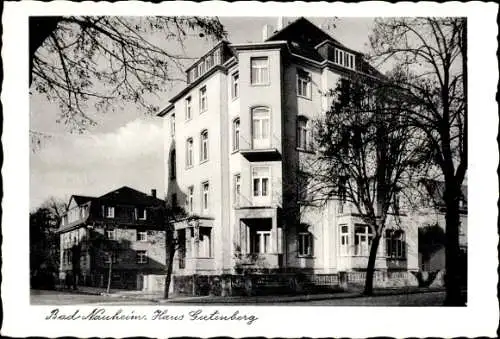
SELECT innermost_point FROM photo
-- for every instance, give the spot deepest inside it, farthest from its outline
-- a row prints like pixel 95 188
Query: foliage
pixel 367 155
pixel 430 56
pixel 108 60
pixel 44 243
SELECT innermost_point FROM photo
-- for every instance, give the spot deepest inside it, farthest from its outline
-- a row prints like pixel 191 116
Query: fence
pixel 289 283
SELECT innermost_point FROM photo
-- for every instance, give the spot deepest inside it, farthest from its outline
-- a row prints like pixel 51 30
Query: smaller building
pixel 116 234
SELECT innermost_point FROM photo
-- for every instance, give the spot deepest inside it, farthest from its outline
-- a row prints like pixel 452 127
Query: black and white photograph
pixel 192 166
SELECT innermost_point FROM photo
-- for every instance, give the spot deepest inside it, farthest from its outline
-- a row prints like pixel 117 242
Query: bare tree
pixel 108 60
pixel 366 156
pixel 431 56
pixel 167 216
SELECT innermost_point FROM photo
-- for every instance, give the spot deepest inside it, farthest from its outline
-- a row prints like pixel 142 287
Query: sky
pixel 126 146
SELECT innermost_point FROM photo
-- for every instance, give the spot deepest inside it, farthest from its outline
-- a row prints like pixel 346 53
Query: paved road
pixel 414 299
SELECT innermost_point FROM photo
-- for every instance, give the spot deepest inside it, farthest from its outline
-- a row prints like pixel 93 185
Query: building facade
pixel 115 233
pixel 238 136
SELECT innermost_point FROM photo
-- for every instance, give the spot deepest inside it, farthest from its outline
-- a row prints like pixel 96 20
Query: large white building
pixel 237 136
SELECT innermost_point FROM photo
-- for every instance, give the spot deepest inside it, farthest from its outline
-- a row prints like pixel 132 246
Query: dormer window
pixel 345 59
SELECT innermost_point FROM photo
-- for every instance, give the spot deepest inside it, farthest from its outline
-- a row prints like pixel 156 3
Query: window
pixel 189 199
pixel 395 244
pixel 260 71
pixel 303 179
pixel 188 108
pixel 111 257
pixel 174 199
pixel 140 213
pixel 209 62
pixel 217 57
pixel 261 242
pixel 108 211
pixel 189 152
pixel 141 257
pixel 362 240
pixel 142 236
pixel 303 133
pixel 261 127
pixel 236 134
pixel 205 197
pixel 305 244
pixel 172 125
pixel 345 59
pixel 205 245
pixel 201 68
pixel 111 235
pixel 344 240
pixel 204 146
pixel 203 99
pixel 173 164
pixel 303 84
pixel 260 176
pixel 237 188
pixel 235 79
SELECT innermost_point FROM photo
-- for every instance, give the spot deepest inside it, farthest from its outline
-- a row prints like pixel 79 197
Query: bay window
pixel 261 182
pixel 362 240
pixel 344 240
pixel 261 127
pixel 259 71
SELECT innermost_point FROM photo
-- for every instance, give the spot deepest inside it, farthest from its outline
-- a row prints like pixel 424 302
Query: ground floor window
pixel 344 240
pixel 305 245
pixel 395 244
pixel 363 237
pixel 205 244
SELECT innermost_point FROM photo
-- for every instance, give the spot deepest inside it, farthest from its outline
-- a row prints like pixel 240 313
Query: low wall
pixel 285 283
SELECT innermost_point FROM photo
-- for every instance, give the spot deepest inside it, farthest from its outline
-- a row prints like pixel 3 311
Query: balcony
pixel 261 154
pixel 262 149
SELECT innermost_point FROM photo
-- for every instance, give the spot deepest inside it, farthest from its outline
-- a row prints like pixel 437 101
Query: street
pixel 432 298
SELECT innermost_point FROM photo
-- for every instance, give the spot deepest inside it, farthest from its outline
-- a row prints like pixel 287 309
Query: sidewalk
pixel 115 293
pixel 269 299
pixel 262 299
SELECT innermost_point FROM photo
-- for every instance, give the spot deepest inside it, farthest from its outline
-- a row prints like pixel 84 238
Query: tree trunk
pixel 170 265
pixel 453 275
pixel 109 274
pixel 370 269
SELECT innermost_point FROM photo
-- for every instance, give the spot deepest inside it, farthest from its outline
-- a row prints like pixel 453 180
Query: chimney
pixel 281 21
pixel 153 193
pixel 267 31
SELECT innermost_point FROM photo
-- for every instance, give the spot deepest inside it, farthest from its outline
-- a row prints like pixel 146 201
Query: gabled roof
pixel 305 32
pixel 130 196
pixel 81 199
